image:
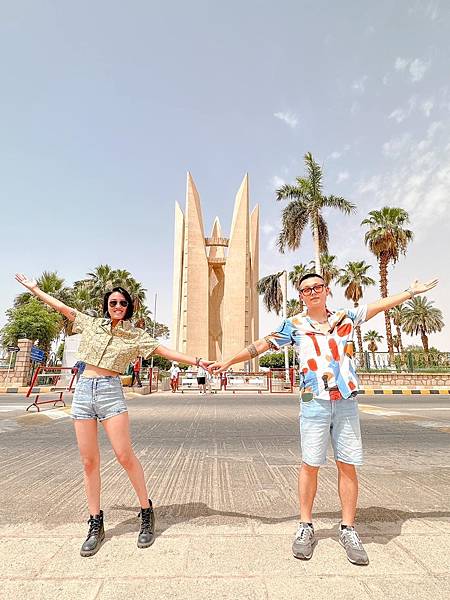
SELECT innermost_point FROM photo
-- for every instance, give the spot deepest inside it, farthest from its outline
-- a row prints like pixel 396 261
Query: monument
pixel 215 302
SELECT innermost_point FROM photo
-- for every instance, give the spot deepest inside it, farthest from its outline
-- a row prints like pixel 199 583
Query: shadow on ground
pixel 200 514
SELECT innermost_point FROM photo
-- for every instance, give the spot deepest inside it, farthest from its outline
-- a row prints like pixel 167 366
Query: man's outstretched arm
pixel 252 351
pixel 386 303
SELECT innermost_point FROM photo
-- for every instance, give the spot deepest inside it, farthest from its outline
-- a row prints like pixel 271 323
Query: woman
pixel 107 346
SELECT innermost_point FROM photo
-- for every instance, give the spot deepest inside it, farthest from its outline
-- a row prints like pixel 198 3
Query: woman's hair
pixel 130 308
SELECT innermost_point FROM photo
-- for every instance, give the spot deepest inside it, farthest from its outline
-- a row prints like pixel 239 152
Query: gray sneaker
pixel 304 542
pixel 350 540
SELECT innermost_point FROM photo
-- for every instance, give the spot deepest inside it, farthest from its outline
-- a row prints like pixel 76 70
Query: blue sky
pixel 104 106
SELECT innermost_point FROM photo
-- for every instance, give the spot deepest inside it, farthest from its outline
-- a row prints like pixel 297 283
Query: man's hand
pixel 30 284
pixel 418 287
pixel 218 367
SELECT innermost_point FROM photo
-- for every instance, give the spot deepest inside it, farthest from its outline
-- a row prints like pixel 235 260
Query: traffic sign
pixel 37 354
pixel 13 348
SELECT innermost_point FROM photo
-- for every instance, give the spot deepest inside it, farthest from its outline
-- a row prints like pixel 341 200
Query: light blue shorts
pixel 320 419
pixel 98 398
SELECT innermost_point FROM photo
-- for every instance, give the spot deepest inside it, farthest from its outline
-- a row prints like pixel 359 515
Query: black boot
pixel 95 537
pixel 146 535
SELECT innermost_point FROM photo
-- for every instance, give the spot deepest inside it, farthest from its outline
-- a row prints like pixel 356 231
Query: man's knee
pixel 310 469
pixel 346 469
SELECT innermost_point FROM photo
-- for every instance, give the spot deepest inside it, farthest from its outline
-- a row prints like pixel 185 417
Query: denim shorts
pixel 98 398
pixel 320 419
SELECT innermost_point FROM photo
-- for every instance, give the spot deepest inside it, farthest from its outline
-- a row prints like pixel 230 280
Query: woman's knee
pixel 126 458
pixel 91 463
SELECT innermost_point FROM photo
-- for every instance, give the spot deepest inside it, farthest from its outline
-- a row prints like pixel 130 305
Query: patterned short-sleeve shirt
pixel 327 368
pixel 111 348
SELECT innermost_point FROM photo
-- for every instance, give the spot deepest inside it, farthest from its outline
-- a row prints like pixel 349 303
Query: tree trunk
pixel 424 338
pixel 384 293
pixel 316 247
pixel 359 336
pixel 399 334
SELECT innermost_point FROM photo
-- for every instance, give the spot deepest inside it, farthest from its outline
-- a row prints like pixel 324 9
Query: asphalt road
pixel 229 454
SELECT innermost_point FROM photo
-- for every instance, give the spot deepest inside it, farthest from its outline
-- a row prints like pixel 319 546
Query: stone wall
pixel 410 380
pixel 20 375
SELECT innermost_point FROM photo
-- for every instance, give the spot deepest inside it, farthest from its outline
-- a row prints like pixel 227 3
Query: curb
pixel 403 392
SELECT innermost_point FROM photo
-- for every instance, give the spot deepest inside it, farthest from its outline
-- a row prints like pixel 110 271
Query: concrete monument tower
pixel 215 303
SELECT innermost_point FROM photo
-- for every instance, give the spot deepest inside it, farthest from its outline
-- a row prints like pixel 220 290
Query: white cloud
pixel 342 176
pixel 395 146
pixel 276 182
pixel 400 114
pixel 335 155
pixel 420 180
pixel 401 63
pixel 289 118
pixel 417 69
pixel 429 9
pixel 428 106
pixel 385 79
pixel 359 85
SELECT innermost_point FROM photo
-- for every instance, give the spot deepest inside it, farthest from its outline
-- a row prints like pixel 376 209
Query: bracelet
pixel 197 361
pixel 410 292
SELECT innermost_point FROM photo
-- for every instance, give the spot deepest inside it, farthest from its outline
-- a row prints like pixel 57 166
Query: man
pixel 329 385
pixel 174 372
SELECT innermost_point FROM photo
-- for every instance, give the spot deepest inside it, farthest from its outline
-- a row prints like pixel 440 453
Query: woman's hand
pixel 417 287
pixel 206 365
pixel 30 284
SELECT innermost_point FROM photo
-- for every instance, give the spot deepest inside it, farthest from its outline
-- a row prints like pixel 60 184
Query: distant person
pixel 136 372
pixel 201 379
pixel 107 346
pixel 79 366
pixel 174 372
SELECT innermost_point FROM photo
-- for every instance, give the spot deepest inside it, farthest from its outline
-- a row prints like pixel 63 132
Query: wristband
pixel 410 292
pixel 197 361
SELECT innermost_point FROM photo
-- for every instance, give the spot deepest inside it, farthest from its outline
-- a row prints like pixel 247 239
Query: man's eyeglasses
pixel 113 303
pixel 317 289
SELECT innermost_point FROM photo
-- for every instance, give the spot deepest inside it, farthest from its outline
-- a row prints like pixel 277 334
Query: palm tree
pixel 397 315
pixel 305 207
pixel 295 276
pixel 270 289
pixel 354 278
pixel 387 238
pixel 372 336
pixel 330 270
pixel 420 317
pixel 397 341
pixel 294 307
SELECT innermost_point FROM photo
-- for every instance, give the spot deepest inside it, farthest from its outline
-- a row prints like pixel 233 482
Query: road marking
pixel 405 416
pixel 56 413
pixel 434 408
pixel 10 407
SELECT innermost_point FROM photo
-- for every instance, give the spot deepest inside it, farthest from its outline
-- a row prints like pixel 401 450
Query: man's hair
pixel 126 295
pixel 308 276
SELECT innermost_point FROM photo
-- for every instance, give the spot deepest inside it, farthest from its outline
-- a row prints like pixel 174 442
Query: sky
pixel 105 105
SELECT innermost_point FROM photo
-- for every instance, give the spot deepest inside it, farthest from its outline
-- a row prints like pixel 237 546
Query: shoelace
pixel 353 538
pixel 146 521
pixel 303 533
pixel 94 527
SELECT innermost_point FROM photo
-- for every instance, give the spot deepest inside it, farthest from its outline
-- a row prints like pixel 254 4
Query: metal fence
pixel 410 362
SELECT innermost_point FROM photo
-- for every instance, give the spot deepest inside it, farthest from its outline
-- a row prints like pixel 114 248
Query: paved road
pixel 222 470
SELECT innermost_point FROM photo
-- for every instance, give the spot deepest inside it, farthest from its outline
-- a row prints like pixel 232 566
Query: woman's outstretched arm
pixel 31 285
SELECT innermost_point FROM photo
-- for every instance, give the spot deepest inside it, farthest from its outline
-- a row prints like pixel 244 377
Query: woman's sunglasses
pixel 113 303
